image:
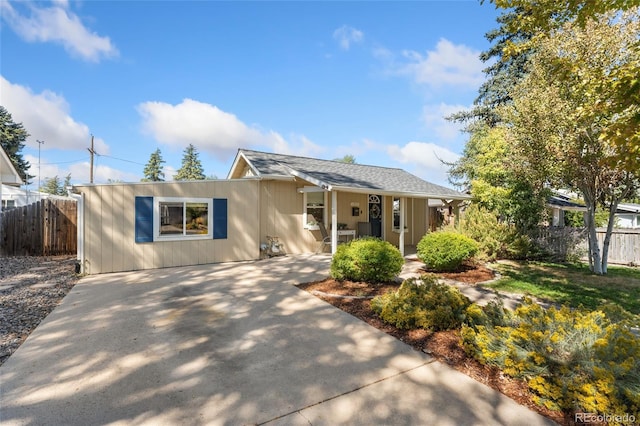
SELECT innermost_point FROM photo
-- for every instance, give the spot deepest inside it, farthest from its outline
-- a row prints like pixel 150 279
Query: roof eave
pixel 16 178
pixel 459 197
pixel 236 161
pixel 310 179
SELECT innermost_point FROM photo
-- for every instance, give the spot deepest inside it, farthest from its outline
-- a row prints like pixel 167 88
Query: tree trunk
pixel 595 261
pixel 607 236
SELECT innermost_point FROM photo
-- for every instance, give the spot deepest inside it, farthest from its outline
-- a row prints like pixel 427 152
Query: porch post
pixel 428 218
pixel 334 221
pixel 403 202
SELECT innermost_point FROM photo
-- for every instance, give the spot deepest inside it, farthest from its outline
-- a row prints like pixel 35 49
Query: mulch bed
pixel 445 346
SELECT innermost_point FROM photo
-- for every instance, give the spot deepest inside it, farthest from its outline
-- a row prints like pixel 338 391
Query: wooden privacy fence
pixel 44 228
pixel 624 247
pixel 571 243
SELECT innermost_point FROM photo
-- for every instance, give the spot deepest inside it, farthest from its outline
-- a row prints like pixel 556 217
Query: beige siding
pixel 345 200
pixel 110 226
pixel 416 221
pixel 255 209
pixel 281 209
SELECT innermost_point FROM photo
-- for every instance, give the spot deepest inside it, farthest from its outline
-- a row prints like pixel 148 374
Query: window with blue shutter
pixel 219 218
pixel 144 220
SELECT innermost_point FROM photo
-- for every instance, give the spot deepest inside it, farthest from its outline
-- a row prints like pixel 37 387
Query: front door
pixel 375 215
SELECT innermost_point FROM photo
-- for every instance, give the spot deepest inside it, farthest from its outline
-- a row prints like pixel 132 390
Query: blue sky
pixel 319 79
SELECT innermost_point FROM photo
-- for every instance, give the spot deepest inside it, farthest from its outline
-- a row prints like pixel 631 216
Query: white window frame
pixel 157 215
pixel 393 213
pixel 306 190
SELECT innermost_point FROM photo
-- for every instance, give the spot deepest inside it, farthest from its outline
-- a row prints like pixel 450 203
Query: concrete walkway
pixel 230 344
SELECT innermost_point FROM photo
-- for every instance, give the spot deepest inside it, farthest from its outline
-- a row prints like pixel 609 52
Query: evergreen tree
pixel 153 170
pixel 12 138
pixel 55 187
pixel 67 183
pixel 349 159
pixel 191 167
pixel 504 71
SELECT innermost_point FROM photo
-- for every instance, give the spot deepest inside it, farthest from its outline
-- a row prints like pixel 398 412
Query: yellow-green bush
pixel 366 259
pixel 573 360
pixel 445 250
pixel 422 303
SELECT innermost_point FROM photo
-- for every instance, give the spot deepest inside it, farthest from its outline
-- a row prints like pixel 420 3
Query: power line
pixel 119 159
pixel 63 162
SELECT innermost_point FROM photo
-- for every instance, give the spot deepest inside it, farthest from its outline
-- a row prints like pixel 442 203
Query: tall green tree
pixel 562 114
pixel 153 170
pixel 191 167
pixel 485 170
pixel 55 187
pixel 621 87
pixel 502 72
pixel 12 138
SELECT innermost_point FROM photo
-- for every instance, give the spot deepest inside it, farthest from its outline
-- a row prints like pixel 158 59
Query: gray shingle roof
pixel 563 203
pixel 348 176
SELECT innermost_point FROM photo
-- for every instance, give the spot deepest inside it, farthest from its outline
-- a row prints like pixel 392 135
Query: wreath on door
pixel 374 211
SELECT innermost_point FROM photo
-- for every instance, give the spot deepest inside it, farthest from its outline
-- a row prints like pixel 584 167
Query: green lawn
pixel 573 285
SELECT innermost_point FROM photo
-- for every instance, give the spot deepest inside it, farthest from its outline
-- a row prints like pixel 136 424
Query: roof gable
pixel 8 173
pixel 342 176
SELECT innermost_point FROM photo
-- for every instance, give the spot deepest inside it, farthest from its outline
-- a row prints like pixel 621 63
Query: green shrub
pixel 496 240
pixel 573 360
pixel 422 303
pixel 483 226
pixel 366 259
pixel 445 250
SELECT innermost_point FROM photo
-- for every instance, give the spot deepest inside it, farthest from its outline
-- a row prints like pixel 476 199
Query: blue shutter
pixel 219 218
pixel 144 219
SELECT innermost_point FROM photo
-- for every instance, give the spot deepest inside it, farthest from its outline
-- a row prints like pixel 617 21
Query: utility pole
pixel 92 152
pixel 40 143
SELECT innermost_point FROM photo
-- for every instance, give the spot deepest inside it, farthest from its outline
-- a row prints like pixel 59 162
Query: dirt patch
pixel 468 274
pixel 445 346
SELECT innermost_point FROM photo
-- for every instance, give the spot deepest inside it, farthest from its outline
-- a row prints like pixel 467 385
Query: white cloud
pixel 346 35
pixel 101 174
pixel 297 145
pixel 448 65
pixel 59 25
pixel 211 129
pixel 425 159
pixel 80 171
pixel 46 117
pixel 434 119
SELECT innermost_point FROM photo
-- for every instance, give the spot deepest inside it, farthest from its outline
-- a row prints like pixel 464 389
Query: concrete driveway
pixel 229 344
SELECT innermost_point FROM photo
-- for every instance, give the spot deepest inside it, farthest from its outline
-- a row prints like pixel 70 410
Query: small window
pixel 183 218
pixel 396 215
pixel 314 208
pixel 8 204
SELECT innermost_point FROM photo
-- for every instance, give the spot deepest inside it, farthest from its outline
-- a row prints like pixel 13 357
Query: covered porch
pixel 381 214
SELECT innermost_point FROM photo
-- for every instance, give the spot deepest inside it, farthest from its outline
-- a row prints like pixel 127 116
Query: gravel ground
pixel 30 288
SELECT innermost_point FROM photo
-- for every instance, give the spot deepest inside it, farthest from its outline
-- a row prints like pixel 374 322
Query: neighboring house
pixel 131 226
pixel 13 197
pixel 628 215
pixel 558 204
pixel 9 176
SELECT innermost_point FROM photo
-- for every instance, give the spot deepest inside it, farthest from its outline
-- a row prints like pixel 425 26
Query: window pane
pixel 171 220
pixel 197 218
pixel 315 199
pixel 315 215
pixel 396 213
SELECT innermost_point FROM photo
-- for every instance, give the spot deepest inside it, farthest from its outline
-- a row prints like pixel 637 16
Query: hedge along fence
pixel 44 228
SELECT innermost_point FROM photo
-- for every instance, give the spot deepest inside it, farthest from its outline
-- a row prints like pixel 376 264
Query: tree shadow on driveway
pixel 233 344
